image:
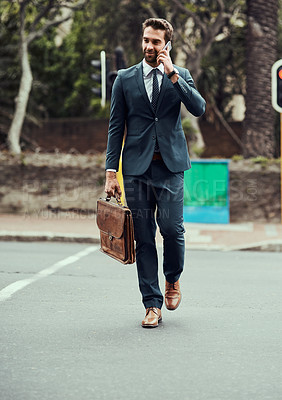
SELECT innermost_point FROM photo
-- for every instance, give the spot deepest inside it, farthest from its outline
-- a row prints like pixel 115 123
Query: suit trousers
pixel 157 196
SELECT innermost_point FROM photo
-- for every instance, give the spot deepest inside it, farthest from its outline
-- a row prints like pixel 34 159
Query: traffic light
pixel 119 55
pixel 104 76
pixel 111 75
pixel 100 77
pixel 276 74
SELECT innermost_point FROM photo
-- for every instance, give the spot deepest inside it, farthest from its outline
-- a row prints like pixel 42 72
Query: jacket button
pixel 156 119
pixel 153 137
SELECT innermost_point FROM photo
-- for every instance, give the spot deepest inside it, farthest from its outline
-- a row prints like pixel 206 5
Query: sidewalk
pixel 83 229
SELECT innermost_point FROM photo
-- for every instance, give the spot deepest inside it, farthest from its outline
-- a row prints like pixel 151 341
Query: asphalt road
pixel 70 328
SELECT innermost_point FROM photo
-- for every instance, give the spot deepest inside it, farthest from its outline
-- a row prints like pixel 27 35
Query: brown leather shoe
pixel 152 318
pixel 172 295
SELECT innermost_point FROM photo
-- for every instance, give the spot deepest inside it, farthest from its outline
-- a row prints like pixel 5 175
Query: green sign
pixel 206 197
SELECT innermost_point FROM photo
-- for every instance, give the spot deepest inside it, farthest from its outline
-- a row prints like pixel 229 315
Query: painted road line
pixel 9 290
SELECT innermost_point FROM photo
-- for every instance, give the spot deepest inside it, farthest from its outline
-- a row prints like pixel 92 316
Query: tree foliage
pixel 35 19
pixel 62 83
pixel 210 40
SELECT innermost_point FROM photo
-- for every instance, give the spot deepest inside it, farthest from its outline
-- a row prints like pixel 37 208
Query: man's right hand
pixel 112 187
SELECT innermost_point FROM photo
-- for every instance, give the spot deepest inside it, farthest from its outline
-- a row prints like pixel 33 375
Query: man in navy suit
pixel 147 99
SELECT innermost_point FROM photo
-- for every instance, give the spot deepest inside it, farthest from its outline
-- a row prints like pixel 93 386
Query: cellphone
pixel 168 46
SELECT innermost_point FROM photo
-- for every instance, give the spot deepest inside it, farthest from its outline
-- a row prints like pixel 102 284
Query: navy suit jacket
pixel 130 106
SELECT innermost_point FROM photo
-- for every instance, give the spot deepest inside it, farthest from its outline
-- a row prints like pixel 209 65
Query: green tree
pixel 223 75
pixel 106 25
pixel 9 64
pixel 198 25
pixel 62 82
pixel 35 18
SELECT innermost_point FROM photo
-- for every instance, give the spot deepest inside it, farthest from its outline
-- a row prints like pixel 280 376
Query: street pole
pixel 281 163
pixel 276 98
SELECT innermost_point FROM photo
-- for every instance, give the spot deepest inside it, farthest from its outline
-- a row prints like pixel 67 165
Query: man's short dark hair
pixel 159 23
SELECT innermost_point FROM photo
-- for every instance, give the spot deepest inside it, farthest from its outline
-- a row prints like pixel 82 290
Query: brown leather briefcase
pixel 116 230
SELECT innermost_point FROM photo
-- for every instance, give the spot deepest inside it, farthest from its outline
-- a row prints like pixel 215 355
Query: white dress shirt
pixel 148 77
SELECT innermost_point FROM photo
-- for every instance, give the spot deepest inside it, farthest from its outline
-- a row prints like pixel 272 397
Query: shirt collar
pixel 147 69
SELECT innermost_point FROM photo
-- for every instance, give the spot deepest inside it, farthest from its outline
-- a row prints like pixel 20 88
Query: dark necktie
pixel 155 96
pixel 155 92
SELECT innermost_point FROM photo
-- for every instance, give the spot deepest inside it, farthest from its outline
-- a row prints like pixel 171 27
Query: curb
pixel 274 245
pixel 271 245
pixel 47 237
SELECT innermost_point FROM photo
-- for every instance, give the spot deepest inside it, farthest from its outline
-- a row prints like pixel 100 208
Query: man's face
pixel 153 41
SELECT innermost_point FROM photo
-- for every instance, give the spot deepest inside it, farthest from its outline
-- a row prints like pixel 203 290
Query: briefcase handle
pixel 108 198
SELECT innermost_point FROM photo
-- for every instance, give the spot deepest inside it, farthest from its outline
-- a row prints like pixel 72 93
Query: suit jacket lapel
pixel 163 89
pixel 141 85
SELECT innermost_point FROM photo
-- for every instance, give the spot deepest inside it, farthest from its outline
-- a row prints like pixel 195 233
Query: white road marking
pixel 9 290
